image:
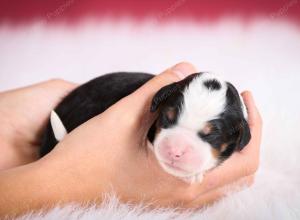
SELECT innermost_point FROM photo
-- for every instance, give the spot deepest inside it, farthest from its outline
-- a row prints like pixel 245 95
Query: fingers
pixel 66 85
pixel 173 74
pixel 139 102
pixel 255 124
pixel 145 94
pixel 228 172
pixel 254 119
pixel 205 199
pixel 56 84
pixel 58 87
pixel 216 194
pixel 54 89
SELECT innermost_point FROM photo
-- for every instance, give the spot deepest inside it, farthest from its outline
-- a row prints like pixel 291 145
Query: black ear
pixel 234 105
pixel 244 135
pixel 162 95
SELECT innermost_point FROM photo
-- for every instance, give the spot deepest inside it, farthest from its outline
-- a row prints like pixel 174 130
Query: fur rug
pixel 262 56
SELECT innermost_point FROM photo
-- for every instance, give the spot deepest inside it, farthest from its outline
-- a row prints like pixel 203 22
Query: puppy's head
pixel 201 122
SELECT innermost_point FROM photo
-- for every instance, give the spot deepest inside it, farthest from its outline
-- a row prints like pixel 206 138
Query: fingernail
pixel 182 70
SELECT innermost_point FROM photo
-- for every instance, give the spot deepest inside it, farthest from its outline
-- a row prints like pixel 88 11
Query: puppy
pixel 201 119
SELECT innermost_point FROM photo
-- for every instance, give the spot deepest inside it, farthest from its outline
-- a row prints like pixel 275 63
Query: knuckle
pixel 261 121
pixel 188 196
pixel 58 82
pixel 171 75
pixel 186 67
pixel 248 181
pixel 259 118
pixel 185 63
pixel 61 83
pixel 130 121
pixel 251 168
pixel 251 180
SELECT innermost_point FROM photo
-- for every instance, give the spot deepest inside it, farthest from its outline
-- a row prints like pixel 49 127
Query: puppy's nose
pixel 176 148
pixel 175 152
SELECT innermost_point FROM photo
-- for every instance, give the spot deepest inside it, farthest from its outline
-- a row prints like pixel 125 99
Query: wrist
pixel 20 190
pixel 35 186
pixel 69 180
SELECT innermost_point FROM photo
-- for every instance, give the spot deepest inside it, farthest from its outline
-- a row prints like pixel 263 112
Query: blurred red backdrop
pixel 23 11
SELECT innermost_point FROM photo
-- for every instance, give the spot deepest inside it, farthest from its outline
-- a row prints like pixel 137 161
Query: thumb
pixel 140 101
pixel 254 118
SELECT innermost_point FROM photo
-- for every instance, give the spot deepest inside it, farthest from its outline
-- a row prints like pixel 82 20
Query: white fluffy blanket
pixel 262 56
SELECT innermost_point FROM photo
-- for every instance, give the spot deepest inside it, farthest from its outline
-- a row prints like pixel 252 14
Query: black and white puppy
pixel 201 119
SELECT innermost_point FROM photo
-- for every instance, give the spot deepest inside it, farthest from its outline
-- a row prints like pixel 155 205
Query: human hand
pixel 23 116
pixel 110 153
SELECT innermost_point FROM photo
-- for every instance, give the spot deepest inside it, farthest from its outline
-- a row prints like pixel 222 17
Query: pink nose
pixel 176 148
pixel 180 150
pixel 175 152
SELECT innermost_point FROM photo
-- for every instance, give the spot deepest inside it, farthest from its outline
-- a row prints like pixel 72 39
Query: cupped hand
pixel 23 115
pixel 110 153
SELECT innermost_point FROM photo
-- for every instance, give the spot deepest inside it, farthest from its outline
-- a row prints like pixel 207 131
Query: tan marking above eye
pixel 224 147
pixel 216 153
pixel 171 113
pixel 207 129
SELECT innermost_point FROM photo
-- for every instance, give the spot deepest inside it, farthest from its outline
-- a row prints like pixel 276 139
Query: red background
pixel 23 11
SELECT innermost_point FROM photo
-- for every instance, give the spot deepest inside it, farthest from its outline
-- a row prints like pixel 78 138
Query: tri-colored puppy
pixel 201 119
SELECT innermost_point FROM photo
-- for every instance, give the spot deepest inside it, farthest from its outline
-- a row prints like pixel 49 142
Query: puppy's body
pixel 91 99
pixel 201 119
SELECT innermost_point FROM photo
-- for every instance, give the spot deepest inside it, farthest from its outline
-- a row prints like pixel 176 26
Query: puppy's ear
pixel 163 94
pixel 244 135
pixel 235 105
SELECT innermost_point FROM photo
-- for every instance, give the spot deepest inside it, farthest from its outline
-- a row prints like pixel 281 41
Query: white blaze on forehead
pixel 200 103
